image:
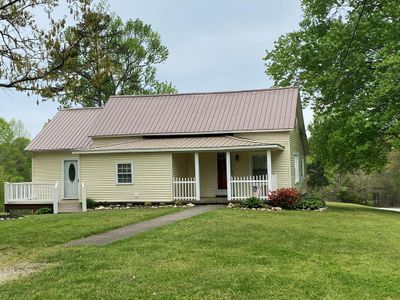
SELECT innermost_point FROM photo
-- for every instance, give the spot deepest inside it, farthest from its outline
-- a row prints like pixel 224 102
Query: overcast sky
pixel 214 46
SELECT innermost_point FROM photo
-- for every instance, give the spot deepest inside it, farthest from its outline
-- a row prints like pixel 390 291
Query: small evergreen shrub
pixel 43 211
pixel 252 202
pixel 90 203
pixel 288 198
pixel 148 204
pixel 178 203
pixel 311 203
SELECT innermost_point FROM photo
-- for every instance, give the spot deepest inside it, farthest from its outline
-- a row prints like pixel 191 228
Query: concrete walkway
pixel 133 229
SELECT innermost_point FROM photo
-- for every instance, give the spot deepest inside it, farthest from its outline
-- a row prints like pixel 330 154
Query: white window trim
pixel 116 173
pixel 296 165
pixel 303 167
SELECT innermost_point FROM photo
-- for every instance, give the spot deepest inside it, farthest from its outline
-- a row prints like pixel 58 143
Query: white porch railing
pixel 184 188
pixel 31 193
pixel 252 186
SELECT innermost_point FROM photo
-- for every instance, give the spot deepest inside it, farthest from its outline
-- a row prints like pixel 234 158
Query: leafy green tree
pixel 6 132
pixel 15 162
pixel 18 128
pixel 25 47
pixel 316 175
pixel 346 58
pixel 111 57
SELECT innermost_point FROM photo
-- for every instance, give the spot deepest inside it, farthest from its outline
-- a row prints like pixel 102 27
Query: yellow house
pixel 207 147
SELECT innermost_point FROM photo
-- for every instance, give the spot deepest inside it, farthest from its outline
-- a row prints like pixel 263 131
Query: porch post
pixel 228 175
pixel 197 174
pixel 6 193
pixel 269 170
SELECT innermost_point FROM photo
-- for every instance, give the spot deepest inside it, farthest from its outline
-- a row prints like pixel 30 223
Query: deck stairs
pixel 69 206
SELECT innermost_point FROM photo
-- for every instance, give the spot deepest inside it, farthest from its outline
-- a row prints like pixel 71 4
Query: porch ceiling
pixel 215 143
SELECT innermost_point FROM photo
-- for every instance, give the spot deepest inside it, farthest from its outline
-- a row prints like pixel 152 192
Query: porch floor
pixel 215 200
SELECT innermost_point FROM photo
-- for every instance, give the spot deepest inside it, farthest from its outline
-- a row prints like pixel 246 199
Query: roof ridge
pixel 206 93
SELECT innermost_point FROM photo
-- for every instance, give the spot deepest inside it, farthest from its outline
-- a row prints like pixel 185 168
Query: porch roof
pixel 210 143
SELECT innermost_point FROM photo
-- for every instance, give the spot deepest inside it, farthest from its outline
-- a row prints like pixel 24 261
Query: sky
pixel 213 46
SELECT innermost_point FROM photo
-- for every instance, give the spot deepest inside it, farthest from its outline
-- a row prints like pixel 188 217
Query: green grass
pixel 24 239
pixel 348 252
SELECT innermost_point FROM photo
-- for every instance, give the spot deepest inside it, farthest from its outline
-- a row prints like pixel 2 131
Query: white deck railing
pixel 28 192
pixel 252 186
pixel 184 188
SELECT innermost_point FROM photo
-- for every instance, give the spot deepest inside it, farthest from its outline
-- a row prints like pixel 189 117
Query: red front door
pixel 221 165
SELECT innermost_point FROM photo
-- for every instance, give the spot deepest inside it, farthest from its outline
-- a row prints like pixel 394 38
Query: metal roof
pixel 181 144
pixel 69 129
pixel 199 113
pixel 172 114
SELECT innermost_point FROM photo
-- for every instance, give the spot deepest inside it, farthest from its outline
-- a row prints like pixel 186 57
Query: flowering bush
pixel 286 198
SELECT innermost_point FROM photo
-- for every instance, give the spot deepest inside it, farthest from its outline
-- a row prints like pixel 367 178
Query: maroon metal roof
pixel 223 112
pixel 175 114
pixel 69 129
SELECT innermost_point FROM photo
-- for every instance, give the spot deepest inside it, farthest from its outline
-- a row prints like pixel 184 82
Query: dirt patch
pixel 19 270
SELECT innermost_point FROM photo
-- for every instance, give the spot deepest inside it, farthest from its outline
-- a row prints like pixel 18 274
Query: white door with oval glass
pixel 71 181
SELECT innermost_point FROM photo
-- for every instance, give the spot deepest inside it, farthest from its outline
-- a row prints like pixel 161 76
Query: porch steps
pixel 69 206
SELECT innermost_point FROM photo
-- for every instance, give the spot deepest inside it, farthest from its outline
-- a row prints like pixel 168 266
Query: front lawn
pixel 23 239
pixel 347 252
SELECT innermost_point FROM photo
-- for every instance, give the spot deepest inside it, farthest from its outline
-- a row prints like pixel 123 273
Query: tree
pixel 111 57
pixel 18 128
pixel 346 58
pixel 6 132
pixel 25 47
pixel 15 162
pixel 316 175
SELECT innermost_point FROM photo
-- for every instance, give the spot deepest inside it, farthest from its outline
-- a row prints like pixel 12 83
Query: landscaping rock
pixel 230 205
pixel 322 209
pixel 277 208
pixel 190 205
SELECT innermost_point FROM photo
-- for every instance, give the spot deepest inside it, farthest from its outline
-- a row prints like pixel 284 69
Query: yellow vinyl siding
pixel 97 142
pixel 183 164
pixel 280 159
pixel 241 165
pixel 208 174
pixel 296 147
pixel 47 167
pixel 152 177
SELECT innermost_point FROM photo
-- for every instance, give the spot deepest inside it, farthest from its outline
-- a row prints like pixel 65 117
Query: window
pixel 124 173
pixel 296 168
pixel 303 168
pixel 259 165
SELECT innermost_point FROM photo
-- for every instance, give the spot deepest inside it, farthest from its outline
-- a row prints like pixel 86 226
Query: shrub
pixel 311 203
pixel 90 203
pixel 252 202
pixel 43 211
pixel 288 198
pixel 178 203
pixel 147 204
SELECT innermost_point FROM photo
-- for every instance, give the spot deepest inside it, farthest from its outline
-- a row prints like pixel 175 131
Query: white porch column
pixel 197 174
pixel 228 175
pixel 269 170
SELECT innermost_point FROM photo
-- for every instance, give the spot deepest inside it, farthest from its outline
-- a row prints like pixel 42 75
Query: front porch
pixel 202 176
